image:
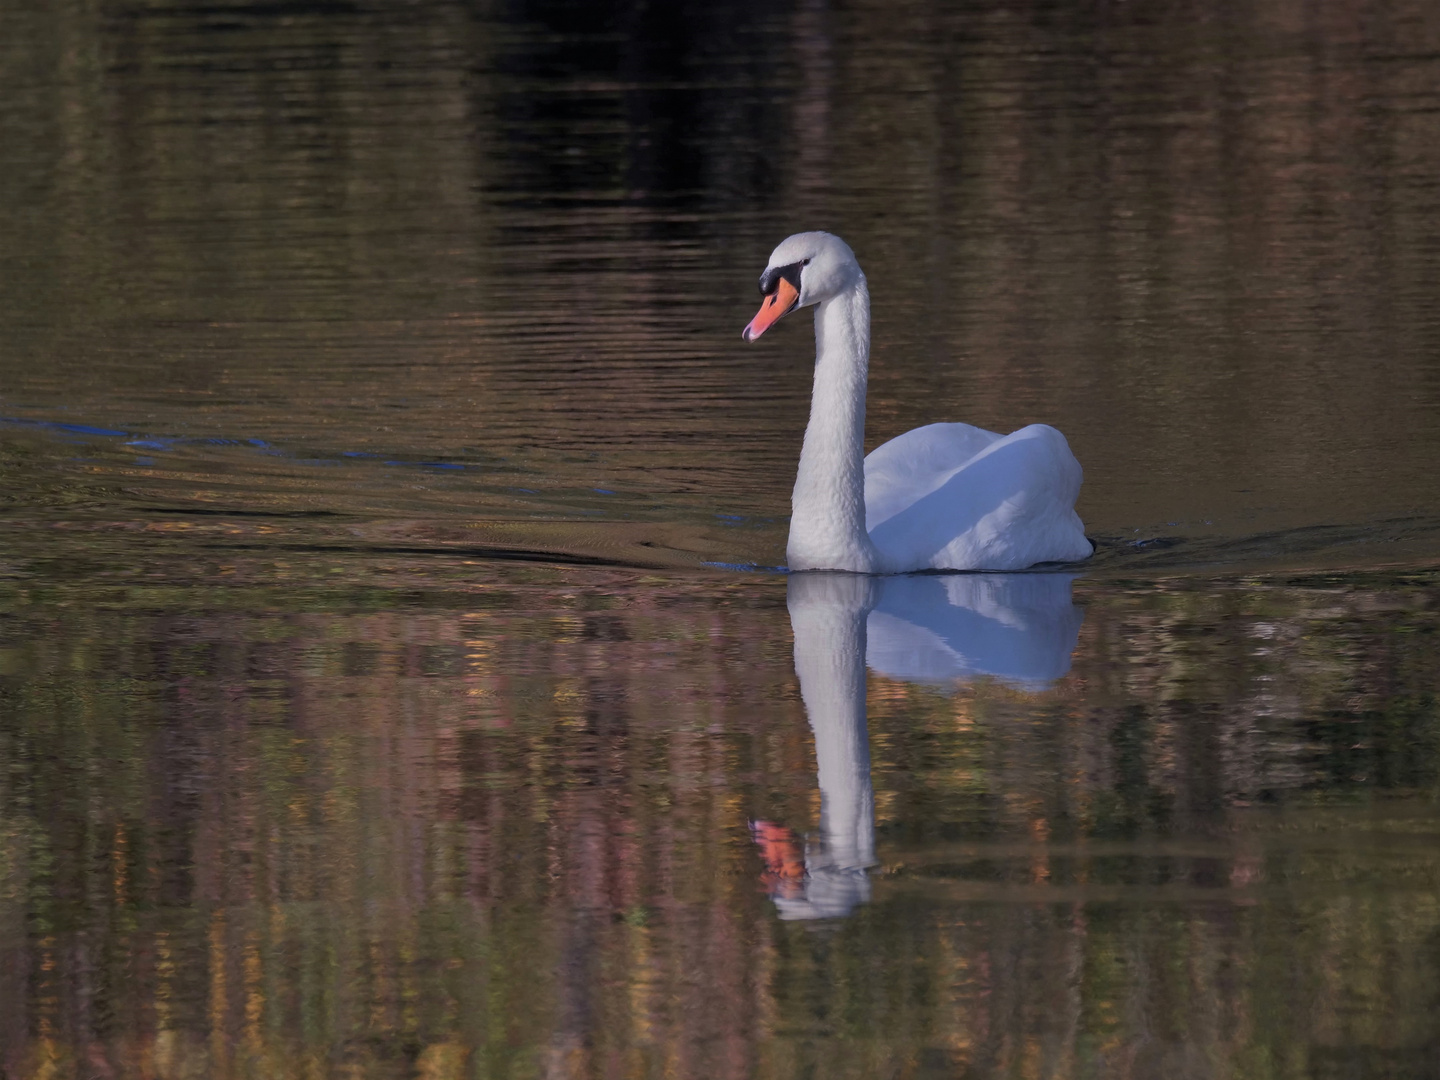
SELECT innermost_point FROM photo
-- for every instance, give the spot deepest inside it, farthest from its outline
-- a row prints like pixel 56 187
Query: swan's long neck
pixel 827 522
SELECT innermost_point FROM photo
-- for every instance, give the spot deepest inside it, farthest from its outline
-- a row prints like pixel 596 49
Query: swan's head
pixel 807 268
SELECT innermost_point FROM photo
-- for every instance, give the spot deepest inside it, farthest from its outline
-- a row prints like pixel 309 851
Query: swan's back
pixel 957 497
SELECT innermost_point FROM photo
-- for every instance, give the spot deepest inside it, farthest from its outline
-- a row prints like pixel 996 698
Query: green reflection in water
pixel 476 822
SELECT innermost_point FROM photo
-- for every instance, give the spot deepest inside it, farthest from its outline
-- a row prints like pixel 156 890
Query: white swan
pixel 940 497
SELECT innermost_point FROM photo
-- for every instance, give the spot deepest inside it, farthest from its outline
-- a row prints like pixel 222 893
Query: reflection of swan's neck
pixel 827 523
pixel 828 613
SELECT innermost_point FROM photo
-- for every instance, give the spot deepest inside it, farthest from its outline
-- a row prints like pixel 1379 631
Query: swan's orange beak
pixel 778 303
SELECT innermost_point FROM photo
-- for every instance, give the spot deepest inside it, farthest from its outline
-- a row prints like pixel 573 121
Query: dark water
pixel 378 694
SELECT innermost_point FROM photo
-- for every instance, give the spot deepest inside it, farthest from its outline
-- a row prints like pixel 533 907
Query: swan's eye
pixel 805 262
pixel 770 280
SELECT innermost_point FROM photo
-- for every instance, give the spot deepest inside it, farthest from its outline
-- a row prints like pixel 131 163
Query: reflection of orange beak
pixel 778 303
pixel 784 861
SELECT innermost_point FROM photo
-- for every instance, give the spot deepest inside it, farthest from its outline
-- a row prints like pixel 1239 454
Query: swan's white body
pixel 940 497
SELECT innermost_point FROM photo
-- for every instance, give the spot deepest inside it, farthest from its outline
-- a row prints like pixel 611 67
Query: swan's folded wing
pixel 1008 507
pixel 910 466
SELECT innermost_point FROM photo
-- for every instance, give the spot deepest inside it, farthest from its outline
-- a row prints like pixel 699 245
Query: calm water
pixel 394 676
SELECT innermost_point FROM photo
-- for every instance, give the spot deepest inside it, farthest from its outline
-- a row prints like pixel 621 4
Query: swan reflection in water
pixel 1017 628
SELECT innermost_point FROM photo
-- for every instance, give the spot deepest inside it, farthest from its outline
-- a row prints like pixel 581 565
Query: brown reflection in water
pixel 504 828
pixel 1202 244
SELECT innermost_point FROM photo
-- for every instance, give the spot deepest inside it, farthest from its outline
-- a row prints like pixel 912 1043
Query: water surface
pixel 394 678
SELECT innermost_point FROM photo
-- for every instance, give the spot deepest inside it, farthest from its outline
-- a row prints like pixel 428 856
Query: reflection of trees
pixel 505 829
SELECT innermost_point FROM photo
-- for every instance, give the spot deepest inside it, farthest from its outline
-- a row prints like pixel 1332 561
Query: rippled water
pixel 394 675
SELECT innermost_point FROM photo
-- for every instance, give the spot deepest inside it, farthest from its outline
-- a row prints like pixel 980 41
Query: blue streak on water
pixel 86 429
pixel 163 443
pixel 57 425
